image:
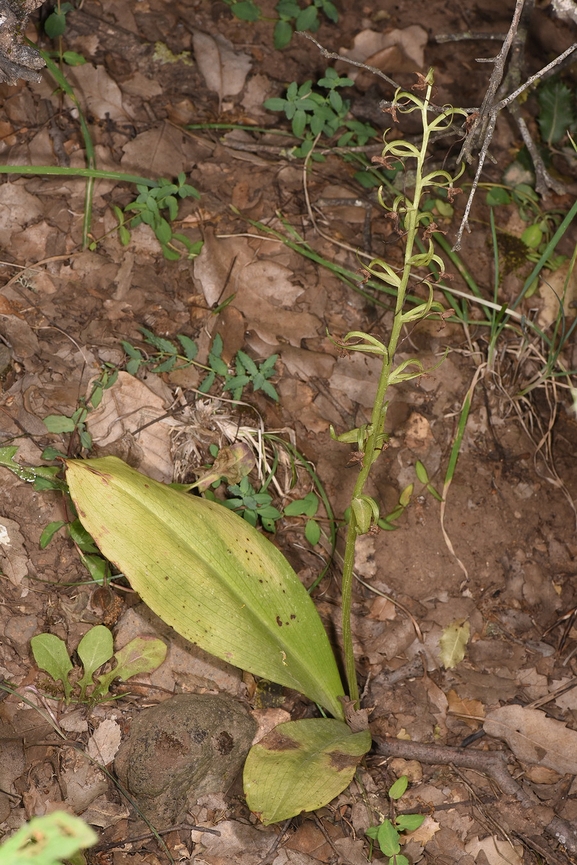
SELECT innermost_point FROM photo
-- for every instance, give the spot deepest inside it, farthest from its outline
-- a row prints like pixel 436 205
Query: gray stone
pixel 182 749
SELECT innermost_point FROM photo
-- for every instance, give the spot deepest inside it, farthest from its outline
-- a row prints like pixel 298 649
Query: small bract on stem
pixel 408 213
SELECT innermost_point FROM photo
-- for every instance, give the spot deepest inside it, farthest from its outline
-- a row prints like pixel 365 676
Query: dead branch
pixel 494 765
pixel 482 131
pixel 330 55
pixel 17 60
pixel 479 129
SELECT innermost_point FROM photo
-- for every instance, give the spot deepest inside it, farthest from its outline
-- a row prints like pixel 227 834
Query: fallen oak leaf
pixel 453 643
pixel 535 738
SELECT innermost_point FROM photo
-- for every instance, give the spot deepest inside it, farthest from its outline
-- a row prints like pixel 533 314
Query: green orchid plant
pixel 222 585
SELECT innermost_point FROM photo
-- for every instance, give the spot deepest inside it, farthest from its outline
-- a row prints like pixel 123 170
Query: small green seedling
pixel 41 477
pixel 423 477
pixel 248 372
pixel 46 478
pixel 541 227
pixel 169 357
pixel 388 522
pixel 557 114
pixel 141 655
pixel 251 505
pixel 388 833
pixel 313 114
pixel 291 16
pixel 233 464
pixel 306 507
pixel 48 840
pixel 55 24
pixel 76 423
pixel 96 565
pixel 149 207
pixel 244 10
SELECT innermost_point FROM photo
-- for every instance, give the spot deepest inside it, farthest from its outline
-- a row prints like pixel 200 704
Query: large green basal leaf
pixel 301 766
pixel 208 574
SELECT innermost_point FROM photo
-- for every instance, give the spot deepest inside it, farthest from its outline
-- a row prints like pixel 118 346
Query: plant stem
pixel 373 445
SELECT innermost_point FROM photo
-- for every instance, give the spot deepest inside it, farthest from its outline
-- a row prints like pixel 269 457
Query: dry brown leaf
pixel 357 377
pixel 231 326
pixel 236 842
pixel 469 710
pixel 267 720
pixel 542 775
pixel 311 841
pixel 10 307
pixel 351 851
pixel 115 425
pixel 392 52
pixel 288 857
pixel 31 244
pixel 425 831
pixel 82 781
pixel 141 86
pixel 489 688
pixel 438 703
pixel 306 365
pixel 159 152
pixel 382 609
pixel 105 742
pixel 223 69
pixel 215 268
pixel 497 851
pixel 535 738
pixel 556 294
pixel 101 95
pixel 17 208
pixel 103 814
pixel 264 290
pixel 411 768
pixel 13 556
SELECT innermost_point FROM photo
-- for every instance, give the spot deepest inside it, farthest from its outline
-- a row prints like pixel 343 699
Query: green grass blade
pixel 59 170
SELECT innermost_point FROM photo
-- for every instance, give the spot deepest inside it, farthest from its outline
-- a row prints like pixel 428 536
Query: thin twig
pixel 482 156
pixel 543 180
pixel 468 34
pixel 483 122
pixel 331 55
pixel 486 125
pixel 546 71
pixel 511 84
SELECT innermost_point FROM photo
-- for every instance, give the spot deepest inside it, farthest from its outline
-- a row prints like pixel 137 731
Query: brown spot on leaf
pixel 279 621
pixel 340 761
pixel 275 741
